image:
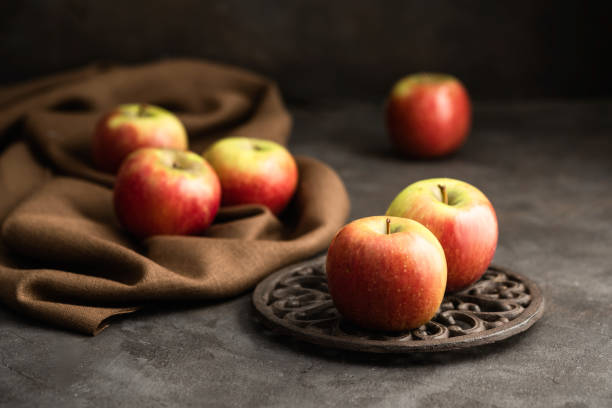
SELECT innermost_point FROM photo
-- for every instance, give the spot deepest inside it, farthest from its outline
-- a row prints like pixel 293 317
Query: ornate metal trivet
pixel 295 301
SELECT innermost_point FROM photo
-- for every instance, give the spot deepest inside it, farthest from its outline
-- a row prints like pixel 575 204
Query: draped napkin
pixel 64 258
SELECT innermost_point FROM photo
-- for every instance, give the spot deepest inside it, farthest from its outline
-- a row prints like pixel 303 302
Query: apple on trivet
pixel 461 217
pixel 386 273
pixel 440 235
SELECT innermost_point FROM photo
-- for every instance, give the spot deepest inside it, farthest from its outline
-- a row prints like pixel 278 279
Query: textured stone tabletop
pixel 547 168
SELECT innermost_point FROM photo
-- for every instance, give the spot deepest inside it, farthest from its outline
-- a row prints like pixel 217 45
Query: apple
pixel 254 171
pixel 386 273
pixel 164 191
pixel 130 127
pixel 428 115
pixel 461 217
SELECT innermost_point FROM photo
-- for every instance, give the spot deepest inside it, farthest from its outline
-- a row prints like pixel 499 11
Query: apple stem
pixel 142 109
pixel 444 193
pixel 388 226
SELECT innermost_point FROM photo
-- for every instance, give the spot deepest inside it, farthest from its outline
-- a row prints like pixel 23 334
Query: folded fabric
pixel 65 259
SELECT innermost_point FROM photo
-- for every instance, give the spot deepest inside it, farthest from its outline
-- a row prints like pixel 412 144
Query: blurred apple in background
pixel 428 115
pixel 461 217
pixel 162 191
pixel 130 127
pixel 386 275
pixel 254 171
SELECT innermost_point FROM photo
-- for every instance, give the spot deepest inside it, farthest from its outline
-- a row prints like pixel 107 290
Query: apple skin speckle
pixel 396 281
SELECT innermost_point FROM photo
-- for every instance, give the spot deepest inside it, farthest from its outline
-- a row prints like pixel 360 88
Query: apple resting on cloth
pixel 131 127
pixel 254 171
pixel 163 191
pixel 428 115
pixel 461 217
pixel 386 273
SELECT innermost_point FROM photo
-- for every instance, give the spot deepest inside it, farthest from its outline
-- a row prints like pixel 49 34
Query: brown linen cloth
pixel 63 256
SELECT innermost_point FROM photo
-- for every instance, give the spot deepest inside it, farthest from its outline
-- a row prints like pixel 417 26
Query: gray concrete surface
pixel 547 169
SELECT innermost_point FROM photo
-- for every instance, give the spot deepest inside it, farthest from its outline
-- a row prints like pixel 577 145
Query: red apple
pixel 162 191
pixel 428 115
pixel 461 217
pixel 254 171
pixel 386 275
pixel 131 127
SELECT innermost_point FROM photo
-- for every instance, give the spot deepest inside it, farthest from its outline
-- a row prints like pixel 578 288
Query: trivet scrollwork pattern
pixel 500 304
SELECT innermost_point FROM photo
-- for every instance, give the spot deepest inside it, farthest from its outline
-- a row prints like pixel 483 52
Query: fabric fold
pixel 65 259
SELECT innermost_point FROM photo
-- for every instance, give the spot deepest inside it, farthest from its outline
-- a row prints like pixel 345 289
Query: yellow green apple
pixel 254 171
pixel 131 127
pixel 461 217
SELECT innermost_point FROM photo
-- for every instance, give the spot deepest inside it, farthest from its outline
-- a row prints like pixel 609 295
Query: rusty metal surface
pixel 296 301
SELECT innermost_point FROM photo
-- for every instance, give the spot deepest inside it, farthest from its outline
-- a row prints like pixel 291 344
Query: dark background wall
pixel 327 49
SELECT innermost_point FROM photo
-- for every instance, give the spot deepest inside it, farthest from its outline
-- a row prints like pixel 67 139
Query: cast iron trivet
pixel 295 301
